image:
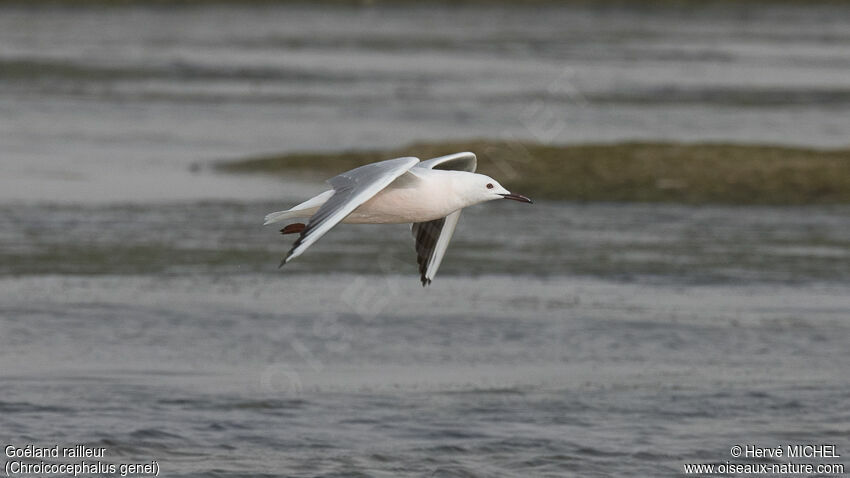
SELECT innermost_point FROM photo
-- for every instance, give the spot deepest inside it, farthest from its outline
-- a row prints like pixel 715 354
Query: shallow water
pixel 141 309
pixel 274 375
pixel 626 340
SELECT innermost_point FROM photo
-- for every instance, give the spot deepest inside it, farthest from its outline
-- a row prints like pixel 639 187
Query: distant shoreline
pixel 690 173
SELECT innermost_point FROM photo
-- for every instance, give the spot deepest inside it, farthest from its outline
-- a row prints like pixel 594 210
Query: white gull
pixel 430 194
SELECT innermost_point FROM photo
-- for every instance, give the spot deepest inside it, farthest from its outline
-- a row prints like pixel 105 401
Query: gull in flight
pixel 430 194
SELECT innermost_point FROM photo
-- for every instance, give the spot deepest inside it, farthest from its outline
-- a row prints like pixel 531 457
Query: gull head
pixel 480 188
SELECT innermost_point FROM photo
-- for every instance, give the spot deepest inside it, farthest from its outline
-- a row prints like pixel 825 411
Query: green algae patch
pixel 698 173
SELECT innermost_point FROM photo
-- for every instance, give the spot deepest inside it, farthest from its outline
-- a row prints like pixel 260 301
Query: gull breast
pixel 426 200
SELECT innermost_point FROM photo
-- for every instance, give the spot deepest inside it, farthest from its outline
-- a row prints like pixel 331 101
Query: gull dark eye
pixel 489 185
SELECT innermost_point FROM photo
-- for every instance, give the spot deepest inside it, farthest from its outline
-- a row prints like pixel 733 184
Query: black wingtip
pixel 426 282
pixel 282 262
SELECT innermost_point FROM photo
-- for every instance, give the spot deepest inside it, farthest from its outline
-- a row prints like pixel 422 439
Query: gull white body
pixel 404 201
pixel 429 194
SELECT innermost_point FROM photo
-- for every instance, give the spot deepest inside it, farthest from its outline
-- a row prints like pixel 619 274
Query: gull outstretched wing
pixel 457 162
pixel 432 240
pixel 432 237
pixel 351 189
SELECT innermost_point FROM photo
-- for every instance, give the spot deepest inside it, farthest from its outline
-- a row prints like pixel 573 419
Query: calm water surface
pixel 141 309
pixel 601 340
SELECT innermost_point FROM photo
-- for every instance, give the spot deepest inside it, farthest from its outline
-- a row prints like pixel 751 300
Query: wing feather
pixel 432 240
pixel 457 162
pixel 433 237
pixel 351 189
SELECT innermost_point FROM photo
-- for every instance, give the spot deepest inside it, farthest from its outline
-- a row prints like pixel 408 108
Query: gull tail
pixel 280 216
pixel 305 209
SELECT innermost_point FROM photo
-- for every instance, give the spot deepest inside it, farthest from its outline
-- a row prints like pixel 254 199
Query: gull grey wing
pixel 351 189
pixel 432 240
pixel 432 237
pixel 457 161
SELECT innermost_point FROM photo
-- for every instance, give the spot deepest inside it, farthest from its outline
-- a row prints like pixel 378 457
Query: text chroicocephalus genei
pixel 430 194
